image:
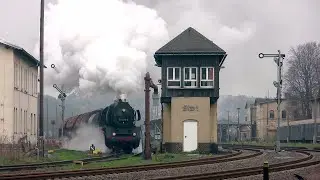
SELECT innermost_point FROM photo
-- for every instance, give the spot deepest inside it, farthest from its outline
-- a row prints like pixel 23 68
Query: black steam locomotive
pixel 117 123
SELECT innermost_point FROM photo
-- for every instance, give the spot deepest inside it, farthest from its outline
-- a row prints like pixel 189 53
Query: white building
pixel 18 93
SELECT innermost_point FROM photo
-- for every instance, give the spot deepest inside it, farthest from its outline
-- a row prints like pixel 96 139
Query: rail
pixel 236 173
pixel 56 163
pixel 100 171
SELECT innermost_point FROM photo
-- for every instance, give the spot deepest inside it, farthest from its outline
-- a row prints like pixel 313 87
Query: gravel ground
pixel 309 173
pixel 270 156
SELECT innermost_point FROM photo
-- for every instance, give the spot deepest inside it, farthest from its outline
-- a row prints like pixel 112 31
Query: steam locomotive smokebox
pixel 117 124
pixel 190 66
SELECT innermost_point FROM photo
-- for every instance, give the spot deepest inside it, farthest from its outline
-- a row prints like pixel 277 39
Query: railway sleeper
pixel 79 162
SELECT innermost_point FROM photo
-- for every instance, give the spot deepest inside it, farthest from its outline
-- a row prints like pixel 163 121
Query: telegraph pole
pixel 41 75
pixel 220 131
pixel 278 59
pixel 47 117
pixel 53 122
pixel 238 124
pixel 315 114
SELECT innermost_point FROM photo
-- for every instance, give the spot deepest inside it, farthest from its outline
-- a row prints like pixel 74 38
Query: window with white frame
pixel 21 77
pixel 34 124
pixel 207 77
pixel 20 122
pixel 173 77
pixel 190 77
pixel 26 79
pixel 31 124
pixel 16 75
pixel 14 120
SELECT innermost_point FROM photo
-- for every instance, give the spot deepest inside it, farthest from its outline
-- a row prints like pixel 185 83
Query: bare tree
pixel 302 80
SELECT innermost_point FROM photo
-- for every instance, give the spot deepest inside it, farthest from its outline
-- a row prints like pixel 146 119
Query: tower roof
pixel 189 42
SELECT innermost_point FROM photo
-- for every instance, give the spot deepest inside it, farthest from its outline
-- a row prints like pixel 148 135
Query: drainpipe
pixel 161 148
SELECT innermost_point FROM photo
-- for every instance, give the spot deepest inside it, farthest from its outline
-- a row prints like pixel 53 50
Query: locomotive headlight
pixel 134 134
pixel 113 134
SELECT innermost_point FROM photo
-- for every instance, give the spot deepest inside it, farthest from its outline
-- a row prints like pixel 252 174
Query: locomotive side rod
pixel 148 84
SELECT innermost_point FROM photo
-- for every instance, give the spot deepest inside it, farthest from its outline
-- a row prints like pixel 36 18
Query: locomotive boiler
pixel 116 122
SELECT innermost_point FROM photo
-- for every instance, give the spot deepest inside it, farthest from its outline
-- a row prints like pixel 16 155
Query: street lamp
pixel 278 59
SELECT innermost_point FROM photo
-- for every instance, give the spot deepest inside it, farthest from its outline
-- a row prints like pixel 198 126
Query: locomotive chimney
pixel 121 97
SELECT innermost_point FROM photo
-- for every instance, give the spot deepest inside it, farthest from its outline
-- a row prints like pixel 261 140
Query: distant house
pixel 262 113
pixel 18 92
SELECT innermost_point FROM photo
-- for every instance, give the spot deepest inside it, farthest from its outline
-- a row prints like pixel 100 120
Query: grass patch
pixel 22 160
pixel 137 160
pixel 64 154
pixel 57 155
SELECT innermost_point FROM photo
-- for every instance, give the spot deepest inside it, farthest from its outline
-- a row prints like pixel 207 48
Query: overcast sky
pixel 243 28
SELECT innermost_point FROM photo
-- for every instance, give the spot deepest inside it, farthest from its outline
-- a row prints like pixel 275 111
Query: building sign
pixel 190 108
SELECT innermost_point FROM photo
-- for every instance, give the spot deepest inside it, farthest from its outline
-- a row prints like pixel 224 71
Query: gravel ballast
pixel 269 156
pixel 308 173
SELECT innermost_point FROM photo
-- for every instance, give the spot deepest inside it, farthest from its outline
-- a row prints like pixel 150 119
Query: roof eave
pixel 21 50
pixel 157 56
pixel 195 53
pixel 33 58
pixel 222 60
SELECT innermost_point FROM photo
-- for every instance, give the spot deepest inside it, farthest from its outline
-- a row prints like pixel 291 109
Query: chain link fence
pixel 13 149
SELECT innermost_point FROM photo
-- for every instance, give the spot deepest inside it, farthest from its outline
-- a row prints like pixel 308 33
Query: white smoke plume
pixel 208 19
pixel 100 45
pixel 138 149
pixel 84 137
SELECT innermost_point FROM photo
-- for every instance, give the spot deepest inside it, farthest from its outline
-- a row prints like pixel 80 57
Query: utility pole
pixel 315 114
pixel 47 117
pixel 238 124
pixel 278 59
pixel 220 131
pixel 148 84
pixel 228 126
pixel 267 115
pixel 251 132
pixel 41 75
pixel 53 122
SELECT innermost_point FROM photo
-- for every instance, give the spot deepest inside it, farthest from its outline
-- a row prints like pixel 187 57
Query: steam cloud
pixel 84 137
pixel 98 45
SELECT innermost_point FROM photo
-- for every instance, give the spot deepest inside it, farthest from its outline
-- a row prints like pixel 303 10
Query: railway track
pixel 239 146
pixel 58 163
pixel 236 173
pixel 104 171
